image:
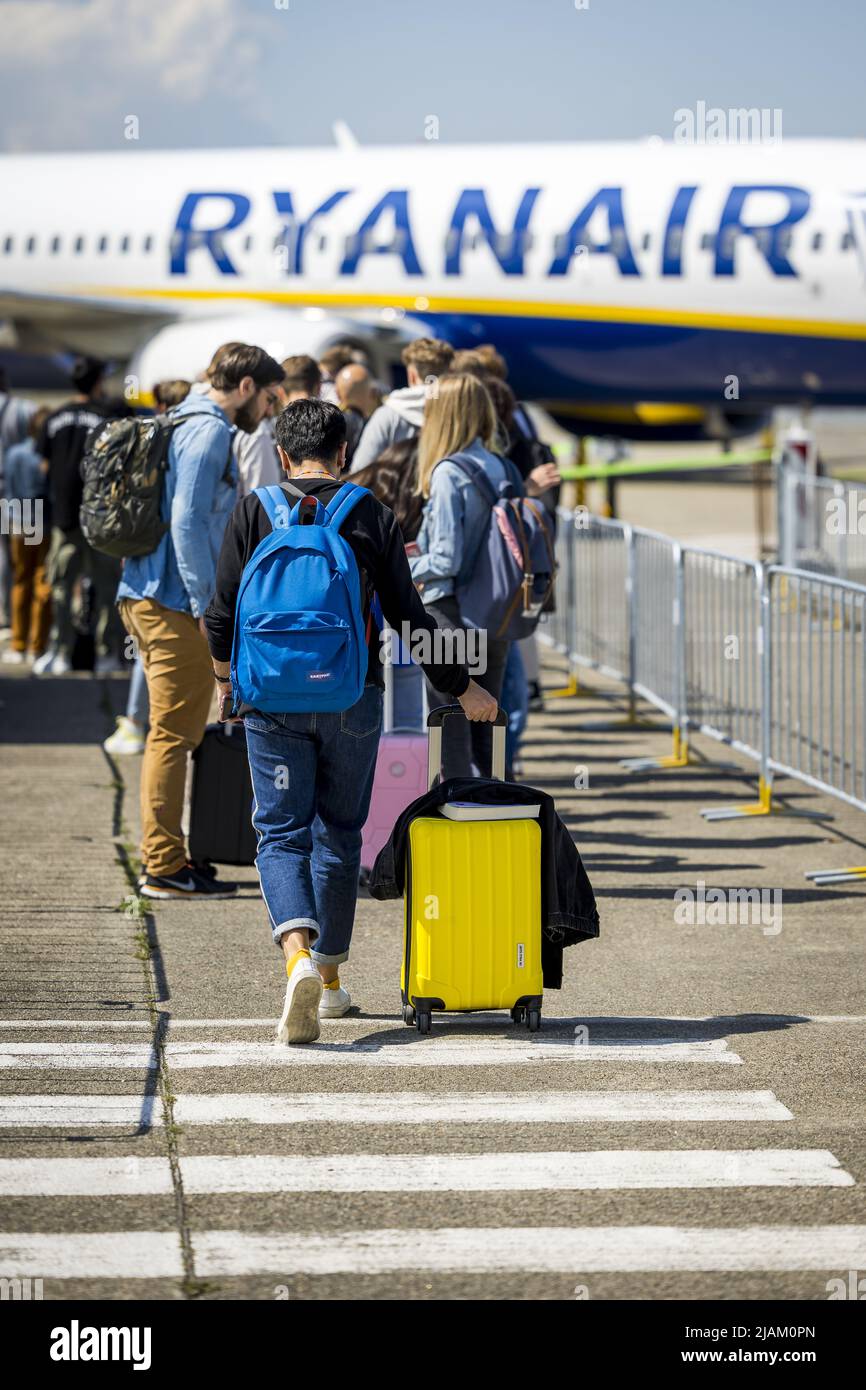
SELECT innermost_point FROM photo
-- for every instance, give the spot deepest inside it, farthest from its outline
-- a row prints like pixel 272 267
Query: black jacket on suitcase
pixel 220 823
pixel 568 910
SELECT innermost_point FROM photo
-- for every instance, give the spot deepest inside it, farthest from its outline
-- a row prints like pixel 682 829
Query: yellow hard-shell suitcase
pixel 472 908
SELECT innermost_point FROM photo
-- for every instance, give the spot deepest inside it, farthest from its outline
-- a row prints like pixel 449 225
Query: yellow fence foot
pixel 563 693
pixel 678 758
pixel 822 877
pixel 764 806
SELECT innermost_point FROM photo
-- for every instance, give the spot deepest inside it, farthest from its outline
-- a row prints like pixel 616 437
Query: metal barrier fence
pixel 822 525
pixel 600 630
pixel 722 639
pixel 770 660
pixel 817 681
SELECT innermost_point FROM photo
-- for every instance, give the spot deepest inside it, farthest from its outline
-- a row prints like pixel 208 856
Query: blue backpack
pixel 514 571
pixel 300 641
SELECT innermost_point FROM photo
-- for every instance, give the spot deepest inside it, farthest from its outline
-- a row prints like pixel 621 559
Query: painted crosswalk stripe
pixel 472 1250
pixel 401 1051
pixel 594 1170
pixel 481 1019
pixel 402 1107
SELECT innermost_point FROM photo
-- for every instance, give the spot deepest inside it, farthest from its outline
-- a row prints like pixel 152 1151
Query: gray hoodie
pixel 401 417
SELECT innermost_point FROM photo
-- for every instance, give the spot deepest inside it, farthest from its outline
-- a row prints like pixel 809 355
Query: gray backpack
pixel 516 566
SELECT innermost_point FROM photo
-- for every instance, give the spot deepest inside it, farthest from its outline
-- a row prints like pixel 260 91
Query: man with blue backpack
pixel 297 655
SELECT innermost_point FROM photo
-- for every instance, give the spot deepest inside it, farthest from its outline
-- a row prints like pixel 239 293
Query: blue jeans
pixel 514 700
pixel 312 780
pixel 137 704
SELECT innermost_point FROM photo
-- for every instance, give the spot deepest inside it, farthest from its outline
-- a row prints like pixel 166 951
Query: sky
pixel 219 73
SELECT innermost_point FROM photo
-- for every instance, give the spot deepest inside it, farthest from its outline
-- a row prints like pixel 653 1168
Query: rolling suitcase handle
pixel 435 720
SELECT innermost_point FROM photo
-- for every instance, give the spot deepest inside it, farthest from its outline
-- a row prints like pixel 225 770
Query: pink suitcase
pixel 400 777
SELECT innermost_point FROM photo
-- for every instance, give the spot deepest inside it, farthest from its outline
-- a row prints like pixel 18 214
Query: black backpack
pixel 123 467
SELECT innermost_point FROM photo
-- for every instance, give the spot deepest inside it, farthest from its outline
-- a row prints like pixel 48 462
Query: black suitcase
pixel 220 821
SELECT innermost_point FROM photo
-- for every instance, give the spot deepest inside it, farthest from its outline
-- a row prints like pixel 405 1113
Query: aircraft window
pixel 147 245
pixel 102 245
pixel 847 241
pixel 645 241
pixel 708 241
pixel 452 241
pixel 248 244
pixel 124 244
pixel 8 245
pixel 78 245
pixel 817 240
pixel 55 245
pixel 323 242
pixel 30 245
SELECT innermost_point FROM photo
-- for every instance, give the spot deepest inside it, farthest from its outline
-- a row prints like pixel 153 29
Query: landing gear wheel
pixel 517 1013
pixel 533 1020
pixel 408 1015
pixel 423 1023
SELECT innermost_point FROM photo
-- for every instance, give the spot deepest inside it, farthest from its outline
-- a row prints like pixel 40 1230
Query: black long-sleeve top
pixel 375 537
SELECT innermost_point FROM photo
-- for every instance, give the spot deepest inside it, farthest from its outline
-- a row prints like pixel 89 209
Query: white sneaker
pixel 300 1018
pixel 127 738
pixel 13 658
pixel 43 664
pixel 60 666
pixel 335 1002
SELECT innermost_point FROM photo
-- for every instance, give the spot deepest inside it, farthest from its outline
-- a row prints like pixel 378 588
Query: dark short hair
pixel 302 374
pixel 337 356
pixel 310 429
pixel 243 361
pixel 169 393
pixel 86 374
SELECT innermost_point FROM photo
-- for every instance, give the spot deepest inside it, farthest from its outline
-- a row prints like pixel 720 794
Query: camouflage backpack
pixel 123 468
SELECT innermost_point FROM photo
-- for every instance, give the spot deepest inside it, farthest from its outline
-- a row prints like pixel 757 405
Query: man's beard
pixel 246 420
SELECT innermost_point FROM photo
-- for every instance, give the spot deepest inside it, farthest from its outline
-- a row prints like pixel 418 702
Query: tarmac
pixel 687 1124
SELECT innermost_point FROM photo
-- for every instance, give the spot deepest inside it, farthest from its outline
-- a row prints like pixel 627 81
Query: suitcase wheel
pixel 409 1015
pixel 533 1019
pixel 422 1023
pixel 517 1013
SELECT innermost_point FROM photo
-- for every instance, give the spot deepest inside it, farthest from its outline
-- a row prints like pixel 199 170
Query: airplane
pixel 676 290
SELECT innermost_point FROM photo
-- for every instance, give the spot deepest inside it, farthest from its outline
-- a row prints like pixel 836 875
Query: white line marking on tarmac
pixel 445 1051
pixel 481 1019
pixel 475 1250
pixel 407 1107
pixel 595 1170
pixel 104 1255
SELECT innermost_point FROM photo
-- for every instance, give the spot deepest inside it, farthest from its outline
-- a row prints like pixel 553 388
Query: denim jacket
pixel 455 523
pixel 199 492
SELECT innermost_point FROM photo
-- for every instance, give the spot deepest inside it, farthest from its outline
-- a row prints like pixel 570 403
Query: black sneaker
pixel 186 883
pixel 203 867
pixel 536 701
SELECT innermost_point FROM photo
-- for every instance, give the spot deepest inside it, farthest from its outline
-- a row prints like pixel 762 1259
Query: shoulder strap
pixel 271 498
pixel 476 474
pixel 342 503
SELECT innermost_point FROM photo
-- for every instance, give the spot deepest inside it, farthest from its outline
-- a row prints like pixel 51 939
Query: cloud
pixel 70 71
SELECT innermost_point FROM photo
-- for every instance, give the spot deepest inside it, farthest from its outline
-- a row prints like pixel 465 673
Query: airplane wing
pixel 78 323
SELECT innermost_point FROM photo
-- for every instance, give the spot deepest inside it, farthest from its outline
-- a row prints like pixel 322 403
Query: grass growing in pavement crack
pixel 140 912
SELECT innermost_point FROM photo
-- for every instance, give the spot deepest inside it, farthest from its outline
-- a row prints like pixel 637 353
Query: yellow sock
pixel 333 984
pixel 290 964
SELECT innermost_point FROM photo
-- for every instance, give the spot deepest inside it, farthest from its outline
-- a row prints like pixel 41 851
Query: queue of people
pixel 415 524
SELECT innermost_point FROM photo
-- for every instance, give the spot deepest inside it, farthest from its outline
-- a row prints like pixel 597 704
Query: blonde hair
pixel 457 411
